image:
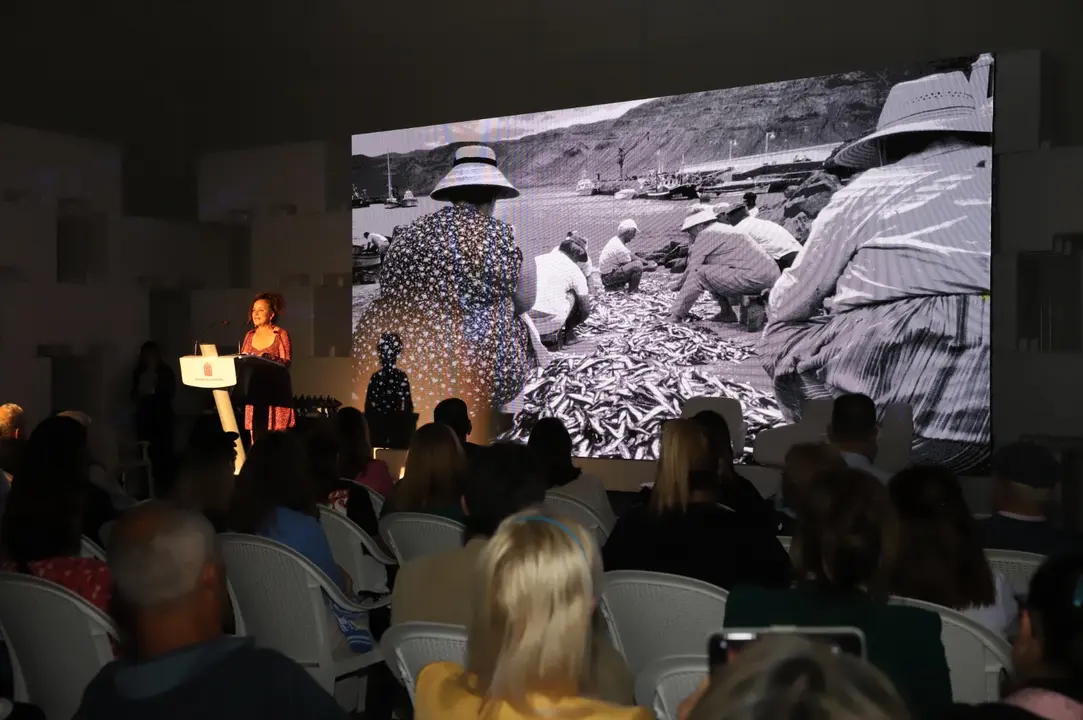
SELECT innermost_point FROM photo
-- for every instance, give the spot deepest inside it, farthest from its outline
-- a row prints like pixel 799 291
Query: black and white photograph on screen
pixel 770 245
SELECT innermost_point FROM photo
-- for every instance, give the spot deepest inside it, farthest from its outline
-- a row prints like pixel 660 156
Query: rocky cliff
pixel 696 127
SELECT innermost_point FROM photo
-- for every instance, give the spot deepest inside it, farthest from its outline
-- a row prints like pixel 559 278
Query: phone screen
pixel 725 646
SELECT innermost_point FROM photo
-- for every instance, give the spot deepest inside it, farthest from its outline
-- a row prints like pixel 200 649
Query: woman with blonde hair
pixel 432 479
pixel 683 529
pixel 529 648
pixel 786 676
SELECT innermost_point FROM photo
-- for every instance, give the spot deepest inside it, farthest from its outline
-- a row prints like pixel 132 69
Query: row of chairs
pixel 660 625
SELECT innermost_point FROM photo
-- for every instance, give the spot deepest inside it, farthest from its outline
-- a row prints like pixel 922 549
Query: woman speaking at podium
pixel 271 342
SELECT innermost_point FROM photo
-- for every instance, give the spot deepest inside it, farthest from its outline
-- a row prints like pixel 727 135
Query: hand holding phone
pixel 724 646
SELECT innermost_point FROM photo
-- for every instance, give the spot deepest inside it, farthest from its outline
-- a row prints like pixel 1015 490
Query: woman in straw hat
pixel 889 296
pixel 453 288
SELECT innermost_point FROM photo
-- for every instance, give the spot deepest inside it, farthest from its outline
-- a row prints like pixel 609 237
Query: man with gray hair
pixel 171 599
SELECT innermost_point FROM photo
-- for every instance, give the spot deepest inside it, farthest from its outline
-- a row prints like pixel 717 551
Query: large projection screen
pixel 850 254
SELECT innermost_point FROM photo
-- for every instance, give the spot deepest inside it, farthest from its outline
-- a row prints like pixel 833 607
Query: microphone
pixel 210 326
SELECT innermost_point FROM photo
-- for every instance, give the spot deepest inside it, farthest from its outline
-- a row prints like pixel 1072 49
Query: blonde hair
pixel 433 473
pixel 685 451
pixel 533 606
pixel 787 676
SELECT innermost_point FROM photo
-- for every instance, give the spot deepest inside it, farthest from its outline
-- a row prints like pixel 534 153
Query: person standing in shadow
pixel 154 384
pixel 388 396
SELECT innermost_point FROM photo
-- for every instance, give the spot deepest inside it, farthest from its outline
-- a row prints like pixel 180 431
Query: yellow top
pixel 441 695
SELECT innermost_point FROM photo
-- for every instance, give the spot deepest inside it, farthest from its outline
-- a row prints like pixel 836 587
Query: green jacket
pixel 903 642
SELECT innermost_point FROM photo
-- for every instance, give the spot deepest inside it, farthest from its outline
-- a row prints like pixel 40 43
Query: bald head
pixel 158 553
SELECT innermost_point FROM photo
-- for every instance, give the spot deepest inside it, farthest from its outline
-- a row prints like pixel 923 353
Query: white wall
pixel 257 180
pixel 95 326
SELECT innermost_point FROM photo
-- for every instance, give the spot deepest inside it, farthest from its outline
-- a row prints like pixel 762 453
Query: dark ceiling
pixel 199 74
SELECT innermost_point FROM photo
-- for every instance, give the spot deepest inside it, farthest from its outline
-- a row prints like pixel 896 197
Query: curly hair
pixel 274 301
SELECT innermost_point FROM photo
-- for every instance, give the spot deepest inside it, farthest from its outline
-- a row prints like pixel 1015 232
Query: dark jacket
pixel 223 679
pixel 903 642
pixel 706 542
pixel 1002 532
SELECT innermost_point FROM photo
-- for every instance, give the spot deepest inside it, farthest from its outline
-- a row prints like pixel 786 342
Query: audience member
pixel 940 556
pixel 11 441
pixel 103 459
pixel 438 588
pixel 1026 477
pixel 205 478
pixel 552 448
pixel 57 450
pixel 786 676
pixel 853 431
pixel 683 530
pixel 42 526
pixel 845 549
pixel 433 476
pixel 276 497
pixel 735 491
pixel 1048 650
pixel 324 451
pixel 804 461
pixel 529 649
pixel 178 664
pixel 454 413
pixel 355 459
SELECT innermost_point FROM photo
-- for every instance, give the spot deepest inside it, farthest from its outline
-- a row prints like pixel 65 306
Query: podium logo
pixel 208 371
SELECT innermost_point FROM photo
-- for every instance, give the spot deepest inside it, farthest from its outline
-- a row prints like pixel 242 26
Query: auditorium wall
pixel 188 279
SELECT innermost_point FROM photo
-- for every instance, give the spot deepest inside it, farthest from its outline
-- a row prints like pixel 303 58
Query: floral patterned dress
pixel 278 418
pixel 446 290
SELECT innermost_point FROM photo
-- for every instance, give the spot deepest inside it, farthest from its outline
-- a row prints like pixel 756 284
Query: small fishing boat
pixel 625 194
pixel 408 199
pixel 584 187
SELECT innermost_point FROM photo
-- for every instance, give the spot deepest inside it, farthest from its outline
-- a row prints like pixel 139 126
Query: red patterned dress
pixel 86 577
pixel 278 418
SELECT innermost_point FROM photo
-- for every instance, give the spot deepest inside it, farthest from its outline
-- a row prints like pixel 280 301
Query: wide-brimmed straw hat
pixel 936 103
pixel 475 166
pixel 700 218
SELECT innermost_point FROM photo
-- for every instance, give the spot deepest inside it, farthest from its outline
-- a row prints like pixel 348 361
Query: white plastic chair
pixel 1016 567
pixel 281 596
pixel 409 647
pixel 664 684
pixel 90 549
pixel 57 640
pixel 413 535
pixel 976 655
pixel 575 509
pixel 105 531
pixel 654 615
pixel 729 408
pixel 377 500
pixel 355 550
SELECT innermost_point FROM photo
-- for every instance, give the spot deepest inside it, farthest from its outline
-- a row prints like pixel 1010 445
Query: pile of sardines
pixel 614 400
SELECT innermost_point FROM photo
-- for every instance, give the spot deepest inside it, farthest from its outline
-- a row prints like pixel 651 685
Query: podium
pixel 210 371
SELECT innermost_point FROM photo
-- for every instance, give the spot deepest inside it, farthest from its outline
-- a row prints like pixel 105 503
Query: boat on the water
pixel 408 199
pixel 584 187
pixel 391 202
pixel 625 194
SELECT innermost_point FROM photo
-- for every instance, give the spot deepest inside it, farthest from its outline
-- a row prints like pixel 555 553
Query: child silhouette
pixel 389 387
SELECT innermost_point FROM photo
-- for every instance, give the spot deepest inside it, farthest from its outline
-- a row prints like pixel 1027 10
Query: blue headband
pixel 556 523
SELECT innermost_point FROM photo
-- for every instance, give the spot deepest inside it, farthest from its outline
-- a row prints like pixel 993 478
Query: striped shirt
pixel 917 228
